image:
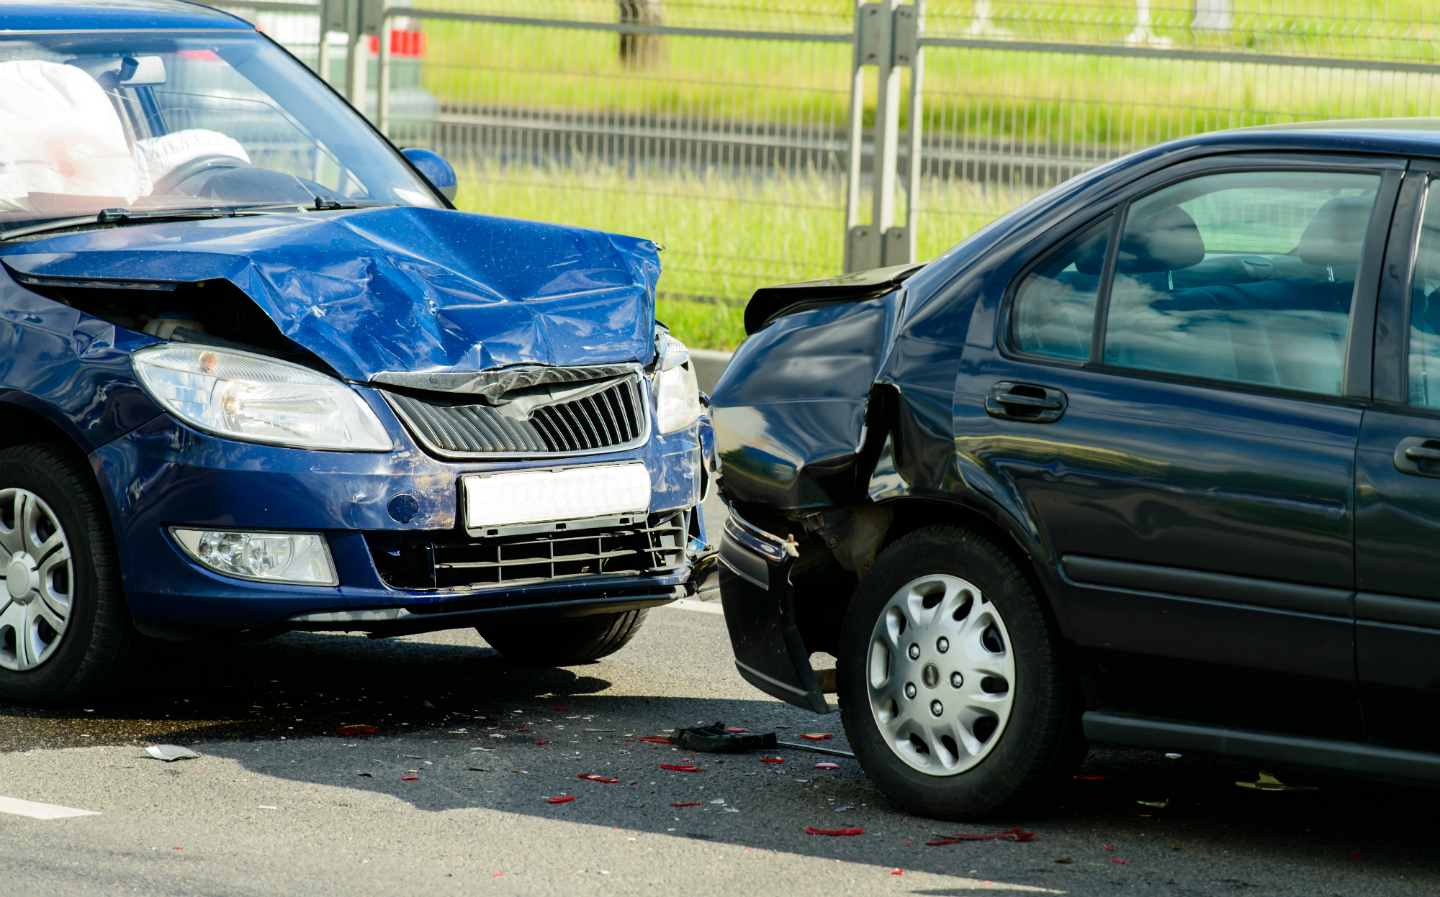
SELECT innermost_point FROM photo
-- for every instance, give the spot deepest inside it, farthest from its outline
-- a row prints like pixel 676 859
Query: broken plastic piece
pixel 1172 756
pixel 1267 782
pixel 1162 804
pixel 655 740
pixel 594 778
pixel 1064 860
pixel 817 736
pixel 897 871
pixel 939 843
pixel 827 765
pixel 691 803
pixel 560 800
pixel 1120 861
pixel 1010 834
pixel 171 752
pixel 772 759
pixel 357 730
pixel 735 730
pixel 1089 778
pixel 675 767
pixel 409 778
pixel 1357 855
pixel 541 741
pixel 834 832
pixel 718 739
pixel 561 709
pixel 1107 846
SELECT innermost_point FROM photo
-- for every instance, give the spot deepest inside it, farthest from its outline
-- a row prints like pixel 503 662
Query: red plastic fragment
pixel 938 843
pixel 561 709
pixel 834 831
pixel 1107 846
pixel 693 803
pixel 735 729
pixel 897 871
pixel 560 800
pixel 1357 855
pixel 827 765
pixel 655 740
pixel 594 778
pixel 1010 834
pixel 1120 861
pixel 772 759
pixel 409 778
pixel 542 741
pixel 357 730
pixel 817 736
pixel 678 768
pixel 1089 778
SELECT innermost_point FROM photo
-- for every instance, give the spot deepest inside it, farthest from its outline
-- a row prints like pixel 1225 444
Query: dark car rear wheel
pixel 65 632
pixel 953 690
pixel 564 642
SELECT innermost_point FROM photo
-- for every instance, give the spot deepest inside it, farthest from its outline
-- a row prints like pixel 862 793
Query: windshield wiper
pixel 119 216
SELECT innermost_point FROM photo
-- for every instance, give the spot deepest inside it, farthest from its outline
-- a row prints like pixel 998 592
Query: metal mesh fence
pixel 726 137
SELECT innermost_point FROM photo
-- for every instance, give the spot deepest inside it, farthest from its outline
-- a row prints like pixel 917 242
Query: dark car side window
pixel 1425 307
pixel 1243 276
pixel 1054 309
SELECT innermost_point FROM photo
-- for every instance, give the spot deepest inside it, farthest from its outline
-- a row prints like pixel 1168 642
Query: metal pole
pixel 855 142
pixel 887 126
pixel 354 57
pixel 912 188
pixel 382 98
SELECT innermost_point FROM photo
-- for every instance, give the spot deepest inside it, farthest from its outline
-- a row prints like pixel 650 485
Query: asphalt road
pixel 452 795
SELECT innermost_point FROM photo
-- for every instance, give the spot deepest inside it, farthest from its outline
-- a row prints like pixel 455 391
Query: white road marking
pixel 705 607
pixel 39 811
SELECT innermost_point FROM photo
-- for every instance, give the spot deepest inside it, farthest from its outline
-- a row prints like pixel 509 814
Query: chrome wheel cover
pixel 940 675
pixel 36 580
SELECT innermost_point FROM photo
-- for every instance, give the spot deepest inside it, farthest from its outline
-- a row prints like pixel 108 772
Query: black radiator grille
pixel 649 546
pixel 451 424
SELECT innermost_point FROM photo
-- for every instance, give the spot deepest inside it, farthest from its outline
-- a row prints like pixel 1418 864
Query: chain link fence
pixel 772 142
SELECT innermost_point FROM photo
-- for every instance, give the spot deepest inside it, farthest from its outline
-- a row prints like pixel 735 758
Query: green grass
pixel 724 237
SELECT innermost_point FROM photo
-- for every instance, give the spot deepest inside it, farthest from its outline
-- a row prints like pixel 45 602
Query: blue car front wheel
pixel 64 629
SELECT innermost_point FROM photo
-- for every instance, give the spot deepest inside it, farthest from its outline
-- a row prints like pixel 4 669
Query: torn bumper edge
pixel 759 607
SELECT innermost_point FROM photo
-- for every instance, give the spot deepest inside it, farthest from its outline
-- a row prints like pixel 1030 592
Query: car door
pixel 1176 405
pixel 1397 550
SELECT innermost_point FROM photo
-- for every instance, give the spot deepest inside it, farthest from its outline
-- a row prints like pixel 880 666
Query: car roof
pixel 107 15
pixel 1369 136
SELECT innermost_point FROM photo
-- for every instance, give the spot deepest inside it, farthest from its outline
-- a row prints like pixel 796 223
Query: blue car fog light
pixel 298 558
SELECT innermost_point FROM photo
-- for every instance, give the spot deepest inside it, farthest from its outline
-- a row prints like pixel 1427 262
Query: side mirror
pixel 436 170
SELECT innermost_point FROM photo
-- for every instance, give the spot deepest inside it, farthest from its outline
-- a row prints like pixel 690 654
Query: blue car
pixel 1152 460
pixel 258 375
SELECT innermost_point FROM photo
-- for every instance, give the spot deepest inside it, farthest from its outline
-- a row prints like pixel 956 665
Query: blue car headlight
pixel 257 399
pixel 677 394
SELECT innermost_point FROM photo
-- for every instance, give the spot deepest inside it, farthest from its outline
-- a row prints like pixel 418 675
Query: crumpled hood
pixel 398 289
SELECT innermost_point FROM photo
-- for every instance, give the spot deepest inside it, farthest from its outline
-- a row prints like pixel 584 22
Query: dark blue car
pixel 1152 460
pixel 258 375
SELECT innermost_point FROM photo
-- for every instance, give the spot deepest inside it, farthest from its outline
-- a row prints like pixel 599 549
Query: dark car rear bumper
pixel 760 613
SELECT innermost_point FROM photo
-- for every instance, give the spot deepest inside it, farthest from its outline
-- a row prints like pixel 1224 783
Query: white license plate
pixel 540 496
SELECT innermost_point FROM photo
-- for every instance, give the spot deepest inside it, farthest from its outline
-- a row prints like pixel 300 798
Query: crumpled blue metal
pixel 398 289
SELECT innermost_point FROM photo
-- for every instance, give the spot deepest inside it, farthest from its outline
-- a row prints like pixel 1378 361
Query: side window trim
pixel 1054 240
pixel 1391 358
pixel 1107 278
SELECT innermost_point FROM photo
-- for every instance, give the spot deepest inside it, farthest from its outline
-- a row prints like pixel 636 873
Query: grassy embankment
pixel 728 230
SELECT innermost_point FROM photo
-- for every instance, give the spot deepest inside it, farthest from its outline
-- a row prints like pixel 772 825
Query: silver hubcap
pixel 35 556
pixel 940 675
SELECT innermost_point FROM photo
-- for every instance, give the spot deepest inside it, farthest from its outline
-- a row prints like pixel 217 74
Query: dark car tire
pixel 98 640
pixel 563 642
pixel 1025 759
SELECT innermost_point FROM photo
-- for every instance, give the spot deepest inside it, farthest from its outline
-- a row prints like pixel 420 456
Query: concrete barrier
pixel 709 365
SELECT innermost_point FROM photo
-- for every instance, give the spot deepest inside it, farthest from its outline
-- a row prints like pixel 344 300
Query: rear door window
pixel 1243 276
pixel 1425 307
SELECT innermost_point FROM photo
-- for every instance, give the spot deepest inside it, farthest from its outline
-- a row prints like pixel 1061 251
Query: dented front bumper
pixel 759 606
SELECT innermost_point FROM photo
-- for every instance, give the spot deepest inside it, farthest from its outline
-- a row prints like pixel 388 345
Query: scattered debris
pixel 1267 782
pixel 1089 778
pixel 897 871
pixel 428 706
pixel 1120 861
pixel 409 778
pixel 1063 860
pixel 358 729
pixel 718 739
pixel 834 832
pixel 1172 756
pixel 772 759
pixel 560 800
pixel 1106 846
pixel 827 765
pixel 594 778
pixel 843 809
pixel 368 775
pixel 655 739
pixel 675 767
pixel 731 810
pixel 1357 855
pixel 1162 804
pixel 1012 834
pixel 735 730
pixel 171 752
pixel 479 769
pixel 561 709
pixel 817 736
pixel 692 803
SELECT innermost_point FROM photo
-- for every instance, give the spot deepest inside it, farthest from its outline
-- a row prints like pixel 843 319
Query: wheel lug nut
pixel 942 645
pixel 936 708
pixel 909 689
pixel 914 652
pixel 956 680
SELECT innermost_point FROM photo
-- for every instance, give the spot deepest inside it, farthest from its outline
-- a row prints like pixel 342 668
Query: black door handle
pixel 1418 456
pixel 1025 401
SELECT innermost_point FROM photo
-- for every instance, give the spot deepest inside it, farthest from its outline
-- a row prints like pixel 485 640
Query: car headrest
pixel 61 138
pixel 1336 234
pixel 1165 241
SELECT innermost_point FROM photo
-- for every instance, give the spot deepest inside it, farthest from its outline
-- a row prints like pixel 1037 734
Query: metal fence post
pixel 880 30
pixel 382 87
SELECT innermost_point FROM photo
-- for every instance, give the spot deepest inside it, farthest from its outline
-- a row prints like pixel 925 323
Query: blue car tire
pixel 952 685
pixel 565 642
pixel 65 631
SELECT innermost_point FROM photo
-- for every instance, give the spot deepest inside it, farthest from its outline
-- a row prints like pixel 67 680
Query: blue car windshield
pixel 183 120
